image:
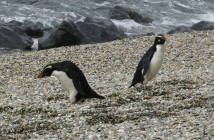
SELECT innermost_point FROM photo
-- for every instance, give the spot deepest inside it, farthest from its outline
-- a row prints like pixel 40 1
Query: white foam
pixel 168 21
pixel 182 5
pixel 127 25
pixel 103 4
pixel 35 44
pixel 207 17
pixel 131 28
pixel 65 5
pixel 3 2
pixel 47 17
pixel 82 19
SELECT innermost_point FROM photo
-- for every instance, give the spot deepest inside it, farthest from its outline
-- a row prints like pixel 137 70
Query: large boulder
pixel 99 30
pixel 66 34
pixel 180 29
pixel 33 29
pixel 120 13
pixel 89 31
pixel 13 37
pixel 203 25
pixel 14 23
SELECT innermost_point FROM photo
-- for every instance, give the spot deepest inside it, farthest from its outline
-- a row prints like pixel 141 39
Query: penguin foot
pixel 138 88
pixel 67 98
pixel 147 87
pixel 79 101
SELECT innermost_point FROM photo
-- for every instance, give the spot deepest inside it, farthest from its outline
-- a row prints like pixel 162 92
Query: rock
pixel 141 35
pixel 180 29
pixel 203 25
pixel 66 34
pixel 33 29
pixel 99 30
pixel 120 13
pixel 89 31
pixel 14 23
pixel 149 34
pixel 13 37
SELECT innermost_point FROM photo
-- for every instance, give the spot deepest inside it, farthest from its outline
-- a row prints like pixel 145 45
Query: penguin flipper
pixel 78 85
pixel 146 60
pixel 142 66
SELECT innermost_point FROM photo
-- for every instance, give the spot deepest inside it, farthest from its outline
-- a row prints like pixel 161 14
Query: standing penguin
pixel 150 63
pixel 72 79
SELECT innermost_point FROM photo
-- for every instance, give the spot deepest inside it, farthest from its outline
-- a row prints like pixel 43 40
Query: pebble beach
pixel 177 104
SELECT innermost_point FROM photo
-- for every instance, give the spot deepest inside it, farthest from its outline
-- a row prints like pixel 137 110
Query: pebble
pixel 178 103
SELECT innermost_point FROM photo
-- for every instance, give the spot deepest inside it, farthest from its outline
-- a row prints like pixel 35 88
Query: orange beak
pixel 40 76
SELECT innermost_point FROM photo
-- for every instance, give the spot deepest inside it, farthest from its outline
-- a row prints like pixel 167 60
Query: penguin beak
pixel 40 75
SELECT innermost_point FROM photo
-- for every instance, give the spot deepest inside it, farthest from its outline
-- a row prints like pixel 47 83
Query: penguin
pixel 72 79
pixel 150 63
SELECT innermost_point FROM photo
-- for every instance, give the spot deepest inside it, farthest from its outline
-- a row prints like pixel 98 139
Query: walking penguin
pixel 150 63
pixel 72 79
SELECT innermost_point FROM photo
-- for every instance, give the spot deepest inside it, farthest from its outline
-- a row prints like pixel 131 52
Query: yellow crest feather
pixel 48 67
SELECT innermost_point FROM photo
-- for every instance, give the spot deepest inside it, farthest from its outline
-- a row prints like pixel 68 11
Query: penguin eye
pixel 47 71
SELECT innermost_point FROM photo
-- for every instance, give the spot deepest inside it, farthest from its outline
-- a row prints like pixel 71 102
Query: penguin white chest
pixel 156 62
pixel 66 82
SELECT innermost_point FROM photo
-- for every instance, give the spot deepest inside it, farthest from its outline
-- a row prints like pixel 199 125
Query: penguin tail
pixel 95 95
pixel 133 84
pixel 136 79
pixel 100 97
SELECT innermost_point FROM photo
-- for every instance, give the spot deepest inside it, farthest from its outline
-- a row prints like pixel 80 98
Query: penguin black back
pixel 80 81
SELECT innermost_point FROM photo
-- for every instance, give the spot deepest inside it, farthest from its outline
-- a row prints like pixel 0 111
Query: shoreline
pixel 178 103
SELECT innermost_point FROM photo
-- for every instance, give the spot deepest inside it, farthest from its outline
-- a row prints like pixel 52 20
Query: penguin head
pixel 160 39
pixel 47 71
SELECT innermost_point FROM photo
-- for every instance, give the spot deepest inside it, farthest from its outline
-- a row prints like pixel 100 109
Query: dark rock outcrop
pixel 180 29
pixel 200 26
pixel 13 37
pixel 66 34
pixel 99 30
pixel 203 25
pixel 149 34
pixel 33 29
pixel 89 31
pixel 14 23
pixel 30 28
pixel 120 13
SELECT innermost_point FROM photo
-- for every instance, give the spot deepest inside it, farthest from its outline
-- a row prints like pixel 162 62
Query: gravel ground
pixel 177 104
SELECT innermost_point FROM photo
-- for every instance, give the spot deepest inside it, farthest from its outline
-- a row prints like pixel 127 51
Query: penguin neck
pixel 160 48
pixel 66 81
